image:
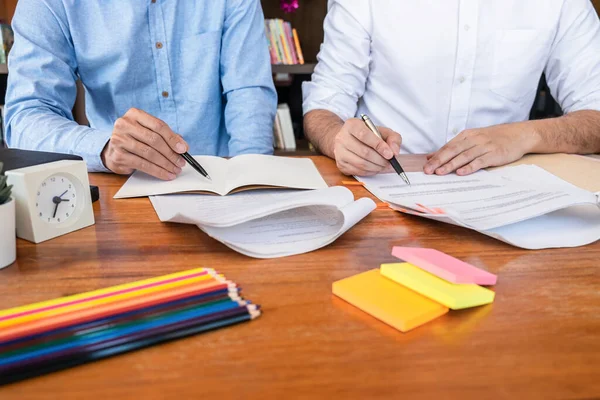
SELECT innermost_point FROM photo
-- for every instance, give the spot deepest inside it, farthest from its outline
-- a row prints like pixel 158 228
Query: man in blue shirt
pixel 161 76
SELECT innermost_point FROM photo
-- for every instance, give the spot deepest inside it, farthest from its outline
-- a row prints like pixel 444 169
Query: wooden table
pixel 540 339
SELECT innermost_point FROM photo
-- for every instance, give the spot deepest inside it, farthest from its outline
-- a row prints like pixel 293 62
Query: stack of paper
pixel 39 338
pixel 268 223
pixel 523 205
pixel 407 295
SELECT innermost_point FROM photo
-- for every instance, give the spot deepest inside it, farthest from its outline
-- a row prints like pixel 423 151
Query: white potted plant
pixel 8 236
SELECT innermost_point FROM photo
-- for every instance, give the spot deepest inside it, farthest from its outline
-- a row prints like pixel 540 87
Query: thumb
pixel 392 138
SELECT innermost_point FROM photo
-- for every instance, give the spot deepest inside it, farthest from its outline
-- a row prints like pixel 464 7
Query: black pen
pixel 392 160
pixel 195 165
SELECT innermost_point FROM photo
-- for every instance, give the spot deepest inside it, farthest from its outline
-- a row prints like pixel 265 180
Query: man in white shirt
pixel 455 79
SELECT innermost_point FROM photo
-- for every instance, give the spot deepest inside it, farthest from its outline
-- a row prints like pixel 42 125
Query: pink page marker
pixel 444 266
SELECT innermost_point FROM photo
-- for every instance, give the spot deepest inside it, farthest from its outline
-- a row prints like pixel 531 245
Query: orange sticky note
pixel 387 300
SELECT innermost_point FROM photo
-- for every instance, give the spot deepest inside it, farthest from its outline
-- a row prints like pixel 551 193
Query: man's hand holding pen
pixel 359 152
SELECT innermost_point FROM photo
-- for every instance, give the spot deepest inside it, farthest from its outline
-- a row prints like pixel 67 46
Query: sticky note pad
pixel 452 295
pixel 388 301
pixel 445 266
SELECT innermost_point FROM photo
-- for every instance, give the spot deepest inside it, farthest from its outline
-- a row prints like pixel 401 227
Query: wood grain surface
pixel 540 338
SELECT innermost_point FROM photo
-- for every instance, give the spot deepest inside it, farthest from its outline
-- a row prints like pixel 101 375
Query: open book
pixel 268 223
pixel 525 205
pixel 246 172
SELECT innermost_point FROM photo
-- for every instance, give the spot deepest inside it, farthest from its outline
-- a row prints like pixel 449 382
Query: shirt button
pixel 165 94
pixel 467 27
pixel 461 79
pixel 455 131
pixel 159 45
pixel 153 1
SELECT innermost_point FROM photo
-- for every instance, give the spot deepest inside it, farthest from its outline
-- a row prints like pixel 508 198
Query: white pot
pixel 8 234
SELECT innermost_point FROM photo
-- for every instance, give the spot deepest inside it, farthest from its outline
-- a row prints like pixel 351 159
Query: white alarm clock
pixel 51 199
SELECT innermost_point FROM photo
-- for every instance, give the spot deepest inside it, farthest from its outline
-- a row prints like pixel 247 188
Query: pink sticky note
pixel 444 266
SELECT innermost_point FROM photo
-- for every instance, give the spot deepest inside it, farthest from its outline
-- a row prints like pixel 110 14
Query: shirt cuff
pixel 90 148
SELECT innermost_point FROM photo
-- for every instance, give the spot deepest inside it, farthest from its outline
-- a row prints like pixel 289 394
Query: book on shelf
pixel 284 44
pixel 6 33
pixel 283 132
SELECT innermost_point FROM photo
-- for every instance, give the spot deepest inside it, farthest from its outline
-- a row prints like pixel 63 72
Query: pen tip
pixel 208 177
pixel 405 179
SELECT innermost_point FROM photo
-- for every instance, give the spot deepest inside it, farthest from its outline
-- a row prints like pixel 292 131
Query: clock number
pixel 73 194
pixel 72 205
pixel 40 214
pixel 58 219
pixel 69 186
pixel 44 184
pixel 52 179
pixel 67 214
pixel 62 180
pixel 38 193
pixel 48 219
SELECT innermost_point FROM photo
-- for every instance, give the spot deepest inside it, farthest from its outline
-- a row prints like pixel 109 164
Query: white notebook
pixel 246 172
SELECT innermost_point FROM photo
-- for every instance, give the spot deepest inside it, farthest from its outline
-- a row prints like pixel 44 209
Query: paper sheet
pixel 228 175
pixel 481 201
pixel 570 227
pixel 268 223
pixel 295 231
pixel 224 211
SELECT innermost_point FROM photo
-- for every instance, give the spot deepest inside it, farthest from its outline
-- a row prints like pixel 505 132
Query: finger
pixel 156 141
pixel 363 151
pixel 447 152
pixel 175 142
pixel 480 162
pixel 136 162
pixel 428 156
pixel 348 169
pixel 392 138
pixel 148 153
pixel 352 159
pixel 462 159
pixel 367 137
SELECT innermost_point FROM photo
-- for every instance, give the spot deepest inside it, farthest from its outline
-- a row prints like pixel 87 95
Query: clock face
pixel 56 200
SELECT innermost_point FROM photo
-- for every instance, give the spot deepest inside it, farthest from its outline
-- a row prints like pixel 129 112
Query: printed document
pixel 525 205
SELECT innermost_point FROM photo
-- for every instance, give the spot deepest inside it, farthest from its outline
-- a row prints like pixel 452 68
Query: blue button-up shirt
pixel 202 66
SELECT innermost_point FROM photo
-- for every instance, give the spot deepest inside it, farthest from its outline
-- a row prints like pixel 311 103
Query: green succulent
pixel 5 189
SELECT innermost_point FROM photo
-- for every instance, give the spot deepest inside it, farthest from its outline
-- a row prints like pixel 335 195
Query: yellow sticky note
pixel 388 301
pixel 452 295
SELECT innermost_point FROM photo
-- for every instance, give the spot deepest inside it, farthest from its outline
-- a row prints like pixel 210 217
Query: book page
pixel 295 231
pixel 481 201
pixel 263 170
pixel 227 175
pixel 223 211
pixel 141 184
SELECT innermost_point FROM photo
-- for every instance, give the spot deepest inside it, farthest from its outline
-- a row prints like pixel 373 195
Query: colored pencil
pixel 49 311
pixel 154 337
pixel 145 312
pixel 91 313
pixel 110 331
pixel 35 306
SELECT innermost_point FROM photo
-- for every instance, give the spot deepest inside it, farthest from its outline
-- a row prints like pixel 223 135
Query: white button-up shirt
pixel 431 69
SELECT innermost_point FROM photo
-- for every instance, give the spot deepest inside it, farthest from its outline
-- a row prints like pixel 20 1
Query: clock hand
pixel 63 193
pixel 56 200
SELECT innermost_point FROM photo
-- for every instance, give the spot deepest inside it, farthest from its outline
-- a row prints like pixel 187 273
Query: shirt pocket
pixel 519 59
pixel 198 60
